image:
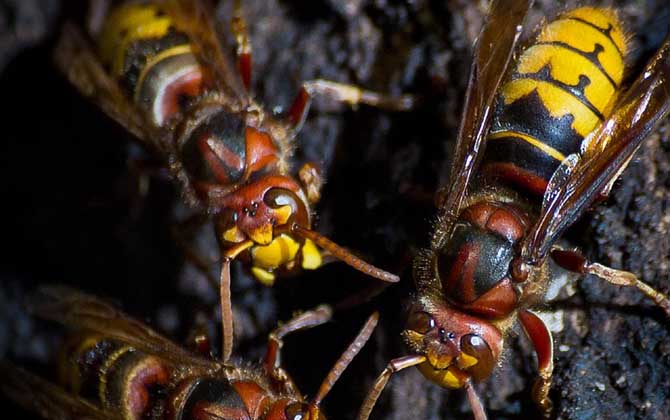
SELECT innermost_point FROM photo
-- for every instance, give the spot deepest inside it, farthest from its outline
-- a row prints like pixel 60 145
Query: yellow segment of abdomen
pixel 562 87
pixel 557 101
pixel 583 53
pixel 127 24
pixel 585 28
pixel 568 67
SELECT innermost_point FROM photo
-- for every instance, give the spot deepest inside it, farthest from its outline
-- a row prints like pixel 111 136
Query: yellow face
pixel 457 346
pixel 451 377
pixel 283 252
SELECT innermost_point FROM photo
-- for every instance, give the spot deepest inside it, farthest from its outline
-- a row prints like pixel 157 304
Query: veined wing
pixel 76 309
pixel 44 398
pixel 492 53
pixel 611 147
pixel 197 19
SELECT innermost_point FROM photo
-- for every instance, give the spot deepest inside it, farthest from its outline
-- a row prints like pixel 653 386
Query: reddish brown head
pixel 457 346
pixel 256 209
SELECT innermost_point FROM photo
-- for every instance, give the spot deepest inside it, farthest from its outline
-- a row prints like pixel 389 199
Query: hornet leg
pixel 272 362
pixel 542 341
pixel 346 93
pixel 393 366
pixel 576 262
pixel 239 29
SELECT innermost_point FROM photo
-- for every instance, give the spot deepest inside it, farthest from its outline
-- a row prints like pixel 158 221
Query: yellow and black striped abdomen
pixel 152 60
pixel 113 375
pixel 562 87
pixel 134 385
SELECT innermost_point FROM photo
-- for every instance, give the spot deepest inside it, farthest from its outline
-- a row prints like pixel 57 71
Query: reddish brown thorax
pixel 221 152
pixel 474 267
pixel 214 398
pixel 499 218
pixel 278 410
pixel 254 397
pixel 261 151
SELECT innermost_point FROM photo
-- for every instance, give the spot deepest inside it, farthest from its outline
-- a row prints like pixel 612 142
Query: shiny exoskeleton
pixel 118 376
pixel 119 368
pixel 561 88
pixel 219 145
pixel 159 68
pixel 534 152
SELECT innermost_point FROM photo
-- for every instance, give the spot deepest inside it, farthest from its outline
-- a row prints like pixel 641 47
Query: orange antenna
pixel 225 298
pixel 475 402
pixel 344 255
pixel 342 363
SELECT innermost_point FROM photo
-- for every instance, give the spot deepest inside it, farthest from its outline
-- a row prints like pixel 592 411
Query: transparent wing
pixel 44 398
pixel 610 148
pixel 76 309
pixel 75 57
pixel 492 53
pixel 197 19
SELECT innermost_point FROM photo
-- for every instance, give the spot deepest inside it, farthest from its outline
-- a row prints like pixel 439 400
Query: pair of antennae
pixel 342 363
pixel 323 242
pixel 344 255
pixel 405 362
pixel 309 319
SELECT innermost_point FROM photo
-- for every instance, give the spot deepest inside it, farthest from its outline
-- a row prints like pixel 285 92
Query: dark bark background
pixel 73 215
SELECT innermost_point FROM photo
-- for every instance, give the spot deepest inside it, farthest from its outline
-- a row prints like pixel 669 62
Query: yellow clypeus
pixel 280 252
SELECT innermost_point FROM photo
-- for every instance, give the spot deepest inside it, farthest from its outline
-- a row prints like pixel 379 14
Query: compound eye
pixel 297 411
pixel 285 204
pixel 475 346
pixel 420 322
pixel 280 197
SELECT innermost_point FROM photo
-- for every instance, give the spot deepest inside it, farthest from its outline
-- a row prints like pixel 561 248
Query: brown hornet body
pixel 160 68
pixel 538 145
pixel 119 368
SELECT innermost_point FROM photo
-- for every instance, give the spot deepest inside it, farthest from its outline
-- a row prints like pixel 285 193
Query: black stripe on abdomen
pixel 529 115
